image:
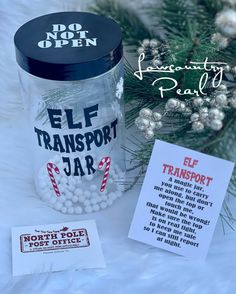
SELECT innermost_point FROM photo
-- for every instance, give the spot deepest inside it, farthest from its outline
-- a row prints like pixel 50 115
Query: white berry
pixel 194 117
pixel 172 104
pixel 216 124
pixel 157 116
pixel 145 113
pixel 198 102
pixel 198 126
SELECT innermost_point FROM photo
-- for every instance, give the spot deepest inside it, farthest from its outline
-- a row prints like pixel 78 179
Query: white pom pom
pixel 71 210
pixel 58 205
pixel 88 209
pixel 112 196
pixel 75 199
pixel 87 202
pixel 109 202
pixel 94 201
pixel 87 193
pixel 62 199
pixel 64 209
pixel 103 205
pixel 96 207
pixel 68 203
pixel 78 210
pixel 69 195
pixel 104 198
pixel 82 198
pixel 78 192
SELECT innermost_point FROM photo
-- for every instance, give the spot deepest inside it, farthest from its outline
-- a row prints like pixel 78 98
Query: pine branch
pixel 175 16
pixel 211 6
pixel 133 29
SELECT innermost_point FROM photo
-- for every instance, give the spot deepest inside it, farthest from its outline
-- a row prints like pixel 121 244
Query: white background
pixel 132 267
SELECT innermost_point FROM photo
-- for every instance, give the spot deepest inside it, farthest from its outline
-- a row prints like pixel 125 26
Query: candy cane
pixel 51 166
pixel 106 160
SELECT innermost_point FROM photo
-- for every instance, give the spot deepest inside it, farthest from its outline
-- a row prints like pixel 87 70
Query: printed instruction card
pixel 180 200
pixel 56 247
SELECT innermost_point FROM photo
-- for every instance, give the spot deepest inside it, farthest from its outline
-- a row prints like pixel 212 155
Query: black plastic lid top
pixel 68 46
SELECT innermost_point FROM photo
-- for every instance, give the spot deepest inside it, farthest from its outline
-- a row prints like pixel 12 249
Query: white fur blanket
pixel 132 267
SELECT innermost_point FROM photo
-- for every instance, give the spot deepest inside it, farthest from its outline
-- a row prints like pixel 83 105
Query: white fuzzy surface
pixel 132 267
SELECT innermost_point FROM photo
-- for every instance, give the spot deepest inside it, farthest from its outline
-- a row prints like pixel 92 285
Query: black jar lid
pixel 68 46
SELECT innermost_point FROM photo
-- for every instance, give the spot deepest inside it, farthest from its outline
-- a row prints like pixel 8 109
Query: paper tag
pixel 56 247
pixel 180 200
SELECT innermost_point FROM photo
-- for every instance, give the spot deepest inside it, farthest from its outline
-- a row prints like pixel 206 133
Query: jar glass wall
pixel 77 134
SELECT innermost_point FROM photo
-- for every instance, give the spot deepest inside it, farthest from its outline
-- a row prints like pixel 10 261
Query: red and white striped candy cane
pixel 106 160
pixel 50 167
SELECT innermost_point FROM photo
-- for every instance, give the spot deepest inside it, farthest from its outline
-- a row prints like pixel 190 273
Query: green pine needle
pixel 133 29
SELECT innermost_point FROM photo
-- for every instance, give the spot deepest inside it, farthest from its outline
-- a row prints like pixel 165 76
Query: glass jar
pixel 71 73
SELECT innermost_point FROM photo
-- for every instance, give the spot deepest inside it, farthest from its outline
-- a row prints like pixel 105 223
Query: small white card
pixel 56 247
pixel 180 200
